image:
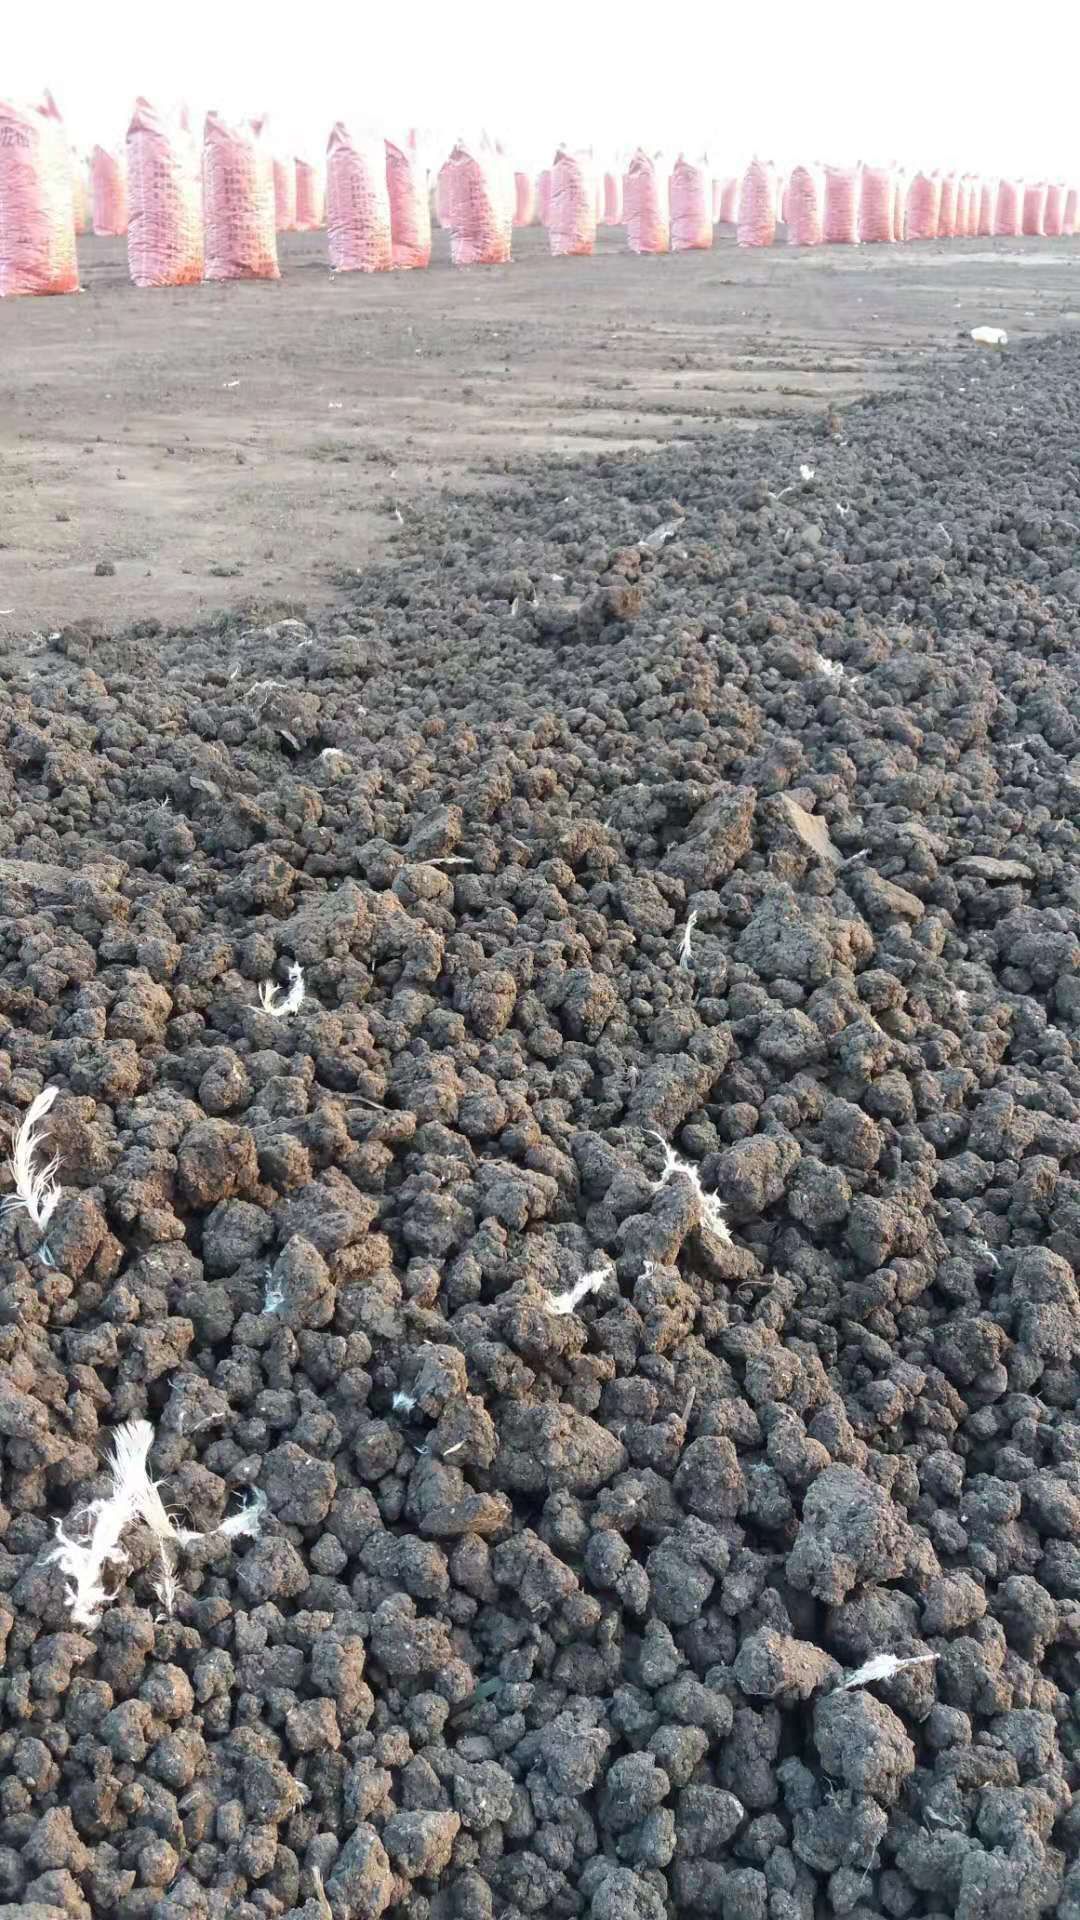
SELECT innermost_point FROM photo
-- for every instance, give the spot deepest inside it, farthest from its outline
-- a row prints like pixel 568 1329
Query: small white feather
pixel 275 1002
pixel 712 1213
pixel 36 1191
pixel 86 1554
pixel 84 1561
pixel 248 1520
pixel 166 1586
pixel 686 951
pixel 570 1301
pixel 882 1666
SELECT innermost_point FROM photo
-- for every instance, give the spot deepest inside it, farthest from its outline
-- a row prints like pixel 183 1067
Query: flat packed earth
pixel 628 1302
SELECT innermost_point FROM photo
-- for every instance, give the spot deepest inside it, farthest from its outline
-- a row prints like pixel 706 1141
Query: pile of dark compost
pixel 718 804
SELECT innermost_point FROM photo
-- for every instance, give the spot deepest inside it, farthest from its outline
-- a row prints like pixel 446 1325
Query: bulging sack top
pixel 37 227
pixel 165 216
pixel 238 185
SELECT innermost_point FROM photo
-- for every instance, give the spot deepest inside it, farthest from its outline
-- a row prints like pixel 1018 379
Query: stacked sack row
pixel 215 213
pixel 845 206
pixel 189 214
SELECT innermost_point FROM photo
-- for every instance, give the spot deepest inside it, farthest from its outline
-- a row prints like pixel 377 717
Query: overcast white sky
pixel 928 82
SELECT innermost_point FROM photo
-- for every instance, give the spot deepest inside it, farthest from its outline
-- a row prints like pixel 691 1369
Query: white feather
pixel 277 1003
pixel 84 1562
pixel 686 951
pixel 882 1666
pixel 36 1191
pixel 570 1301
pixel 712 1213
pixel 166 1586
pixel 248 1520
pixel 132 1496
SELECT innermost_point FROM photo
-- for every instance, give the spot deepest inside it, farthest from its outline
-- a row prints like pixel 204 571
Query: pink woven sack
pixel 946 229
pixel 840 224
pixel 987 198
pixel 524 200
pixel 284 196
pixel 1035 209
pixel 971 206
pixel 165 226
pixel 691 207
pixel 1009 214
pixel 543 196
pixel 924 207
pixel 442 195
pixel 960 211
pixel 357 204
pixel 309 197
pixel 974 194
pixel 899 202
pixel 80 195
pixel 108 192
pixel 1055 208
pixel 613 207
pixel 37 221
pixel 876 212
pixel 238 184
pixel 646 215
pixel 572 222
pixel 756 226
pixel 1072 211
pixel 804 209
pixel 410 208
pixel 479 231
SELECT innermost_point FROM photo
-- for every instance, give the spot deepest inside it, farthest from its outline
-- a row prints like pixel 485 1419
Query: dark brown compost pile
pixel 721 801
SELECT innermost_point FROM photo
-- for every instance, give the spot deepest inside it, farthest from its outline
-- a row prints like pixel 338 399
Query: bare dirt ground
pixel 253 445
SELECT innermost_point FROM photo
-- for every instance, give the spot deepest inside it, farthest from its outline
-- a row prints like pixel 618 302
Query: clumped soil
pixel 686 800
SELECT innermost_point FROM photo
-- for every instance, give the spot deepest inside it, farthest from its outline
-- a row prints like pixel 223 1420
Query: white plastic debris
pixel 806 473
pixel 712 1213
pixel 570 1301
pixel 990 336
pixel 278 1004
pixel 274 1296
pixel 686 951
pixel 36 1191
pixel 882 1666
pixel 402 1402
